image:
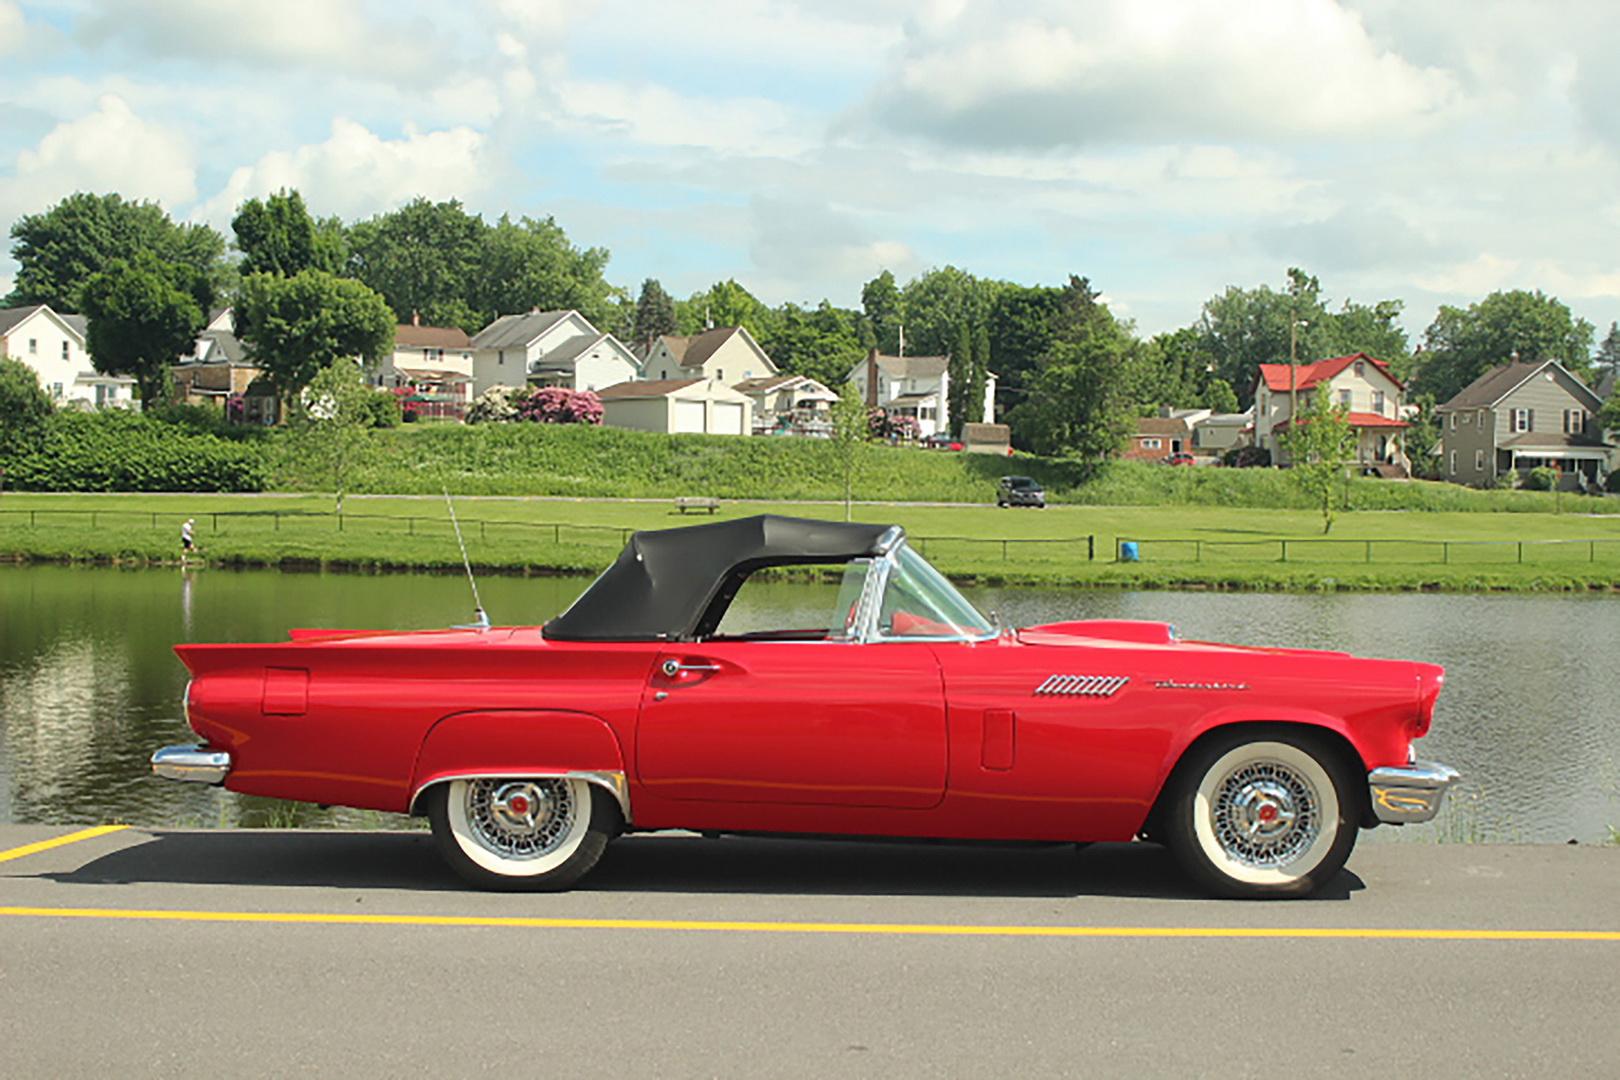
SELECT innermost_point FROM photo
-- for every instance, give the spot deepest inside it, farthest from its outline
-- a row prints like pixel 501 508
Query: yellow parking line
pixel 892 929
pixel 70 838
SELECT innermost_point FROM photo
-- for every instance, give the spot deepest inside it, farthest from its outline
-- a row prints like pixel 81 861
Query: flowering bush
pixel 892 427
pixel 546 405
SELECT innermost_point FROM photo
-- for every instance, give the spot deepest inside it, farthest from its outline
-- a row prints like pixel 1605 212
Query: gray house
pixel 1519 417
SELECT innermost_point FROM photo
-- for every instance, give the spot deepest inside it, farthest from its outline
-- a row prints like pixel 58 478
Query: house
pixel 53 345
pixel 436 362
pixel 676 406
pixel 916 386
pixel 1519 417
pixel 1213 433
pixel 219 370
pixel 789 405
pixel 1157 437
pixel 727 354
pixel 549 348
pixel 1360 384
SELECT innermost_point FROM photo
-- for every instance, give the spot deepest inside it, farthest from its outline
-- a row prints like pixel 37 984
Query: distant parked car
pixel 942 441
pixel 1020 491
pixel 1180 457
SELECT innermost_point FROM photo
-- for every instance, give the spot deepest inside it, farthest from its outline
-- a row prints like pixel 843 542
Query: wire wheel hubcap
pixel 1266 815
pixel 521 819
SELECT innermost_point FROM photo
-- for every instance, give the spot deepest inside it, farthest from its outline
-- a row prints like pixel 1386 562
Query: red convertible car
pixel 900 711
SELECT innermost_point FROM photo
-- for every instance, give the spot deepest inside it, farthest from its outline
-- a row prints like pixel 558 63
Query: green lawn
pixel 1203 546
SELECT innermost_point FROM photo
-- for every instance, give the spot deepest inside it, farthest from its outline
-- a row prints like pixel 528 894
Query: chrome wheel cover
pixel 1265 815
pixel 521 819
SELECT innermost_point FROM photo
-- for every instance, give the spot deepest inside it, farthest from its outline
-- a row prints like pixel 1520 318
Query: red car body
pixel 1069 731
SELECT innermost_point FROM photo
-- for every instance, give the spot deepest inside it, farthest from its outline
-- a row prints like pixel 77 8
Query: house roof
pixel 1550 440
pixel 1161 425
pixel 426 375
pixel 431 337
pixel 912 367
pixel 914 399
pixel 1497 383
pixel 10 318
pixel 1277 378
pixel 227 344
pixel 512 331
pixel 79 323
pixel 564 355
pixel 1360 420
pixel 764 384
pixel 644 388
pixel 694 351
pixel 1231 419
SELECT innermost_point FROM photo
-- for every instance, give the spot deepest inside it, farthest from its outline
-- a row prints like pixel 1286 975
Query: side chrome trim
pixel 614 783
pixel 1411 793
pixel 194 763
pixel 1083 685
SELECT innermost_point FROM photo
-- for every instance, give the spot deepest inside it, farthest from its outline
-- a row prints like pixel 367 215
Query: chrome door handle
pixel 673 668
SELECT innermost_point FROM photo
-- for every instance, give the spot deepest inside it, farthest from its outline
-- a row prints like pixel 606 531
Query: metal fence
pixel 1371 552
pixel 306 522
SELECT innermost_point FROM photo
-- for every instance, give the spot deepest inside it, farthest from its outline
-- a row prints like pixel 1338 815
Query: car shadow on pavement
pixel 667 863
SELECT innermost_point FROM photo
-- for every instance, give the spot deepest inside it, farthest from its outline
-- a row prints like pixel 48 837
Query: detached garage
pixel 675 406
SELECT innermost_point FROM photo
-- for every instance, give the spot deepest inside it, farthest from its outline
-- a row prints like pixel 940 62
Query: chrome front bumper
pixel 1410 793
pixel 194 763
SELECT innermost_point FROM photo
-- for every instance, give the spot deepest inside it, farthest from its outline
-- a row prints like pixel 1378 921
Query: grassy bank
pixel 1182 546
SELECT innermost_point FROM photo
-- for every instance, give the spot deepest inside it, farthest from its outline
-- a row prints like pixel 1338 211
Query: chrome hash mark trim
pixel 1083 685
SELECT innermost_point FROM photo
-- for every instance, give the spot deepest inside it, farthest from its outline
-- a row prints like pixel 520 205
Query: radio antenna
pixel 482 619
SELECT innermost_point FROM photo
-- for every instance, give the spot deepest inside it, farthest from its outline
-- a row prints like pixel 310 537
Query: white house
pixel 53 345
pixel 727 354
pixel 1361 385
pixel 918 386
pixel 789 405
pixel 549 348
pixel 676 406
pixel 427 349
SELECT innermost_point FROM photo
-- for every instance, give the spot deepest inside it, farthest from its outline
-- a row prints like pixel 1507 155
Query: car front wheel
pixel 1261 816
pixel 521 833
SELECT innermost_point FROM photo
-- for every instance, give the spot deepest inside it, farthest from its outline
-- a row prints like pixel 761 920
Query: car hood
pixel 1139 632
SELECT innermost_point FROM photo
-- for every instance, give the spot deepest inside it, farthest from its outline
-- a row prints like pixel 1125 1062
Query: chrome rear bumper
pixel 1409 793
pixel 194 763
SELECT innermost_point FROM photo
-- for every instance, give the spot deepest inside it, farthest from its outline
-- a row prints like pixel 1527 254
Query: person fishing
pixel 188 543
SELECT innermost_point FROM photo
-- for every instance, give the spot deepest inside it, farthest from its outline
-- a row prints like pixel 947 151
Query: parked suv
pixel 1020 491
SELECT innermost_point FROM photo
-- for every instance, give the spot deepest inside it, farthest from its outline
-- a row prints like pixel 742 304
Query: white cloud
pixel 1058 74
pixel 108 149
pixel 651 115
pixel 13 28
pixel 805 250
pixel 355 172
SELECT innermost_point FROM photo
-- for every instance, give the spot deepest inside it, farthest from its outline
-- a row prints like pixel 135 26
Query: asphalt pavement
pixel 145 953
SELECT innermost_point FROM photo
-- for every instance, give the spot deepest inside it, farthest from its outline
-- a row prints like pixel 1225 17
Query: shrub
pixel 116 450
pixel 24 405
pixel 1247 457
pixel 385 408
pixel 1541 478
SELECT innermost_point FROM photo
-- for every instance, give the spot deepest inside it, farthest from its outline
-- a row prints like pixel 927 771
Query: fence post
pixel 1521 551
pixel 340 522
pixel 556 534
pixel 1591 551
pixel 154 521
pixel 30 519
pixel 1369 552
pixel 1445 551
pixel 410 526
pixel 1284 544
pixel 215 518
pixel 1091 547
pixel 1004 551
pixel 480 528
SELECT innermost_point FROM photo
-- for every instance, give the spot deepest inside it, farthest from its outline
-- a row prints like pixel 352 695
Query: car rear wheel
pixel 1262 815
pixel 521 833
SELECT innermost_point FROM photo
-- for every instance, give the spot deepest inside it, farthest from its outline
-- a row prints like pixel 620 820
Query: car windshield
pixel 1022 483
pixel 918 602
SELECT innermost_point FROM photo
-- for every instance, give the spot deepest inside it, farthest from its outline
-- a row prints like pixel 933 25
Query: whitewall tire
pixel 1266 813
pixel 528 833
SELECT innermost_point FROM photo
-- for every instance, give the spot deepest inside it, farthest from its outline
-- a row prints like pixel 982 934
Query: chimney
pixel 871 379
pixel 416 318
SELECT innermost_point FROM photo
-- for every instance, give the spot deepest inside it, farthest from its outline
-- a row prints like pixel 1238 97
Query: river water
pixel 89 686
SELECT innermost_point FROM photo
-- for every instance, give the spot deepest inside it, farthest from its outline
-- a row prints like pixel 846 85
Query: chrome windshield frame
pixel 869 630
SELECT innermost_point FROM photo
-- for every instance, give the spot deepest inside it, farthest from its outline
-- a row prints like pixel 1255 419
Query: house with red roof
pixel 1360 384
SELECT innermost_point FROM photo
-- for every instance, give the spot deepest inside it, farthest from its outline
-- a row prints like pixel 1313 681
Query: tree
pixel 822 343
pixel 330 421
pixel 24 405
pixel 849 438
pixel 1422 433
pixel 530 263
pixel 1319 446
pixel 60 249
pixel 143 314
pixel 421 258
pixel 937 303
pixel 295 327
pixel 981 375
pixel 725 303
pixel 1220 397
pixel 1462 344
pixel 276 235
pixel 960 394
pixel 655 313
pixel 1020 328
pixel 880 300
pixel 1080 402
pixel 1608 354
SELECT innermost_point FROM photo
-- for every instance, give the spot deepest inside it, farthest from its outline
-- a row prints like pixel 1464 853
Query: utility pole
pixel 1293 374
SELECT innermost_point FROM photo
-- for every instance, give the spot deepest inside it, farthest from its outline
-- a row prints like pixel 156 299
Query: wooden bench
pixel 684 503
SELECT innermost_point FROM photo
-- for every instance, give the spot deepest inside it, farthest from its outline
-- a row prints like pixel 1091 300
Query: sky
pixel 1432 152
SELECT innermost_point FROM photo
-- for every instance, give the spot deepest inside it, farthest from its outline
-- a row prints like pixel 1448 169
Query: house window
pixel 926 412
pixel 33 346
pixel 1344 398
pixel 1378 402
pixel 1152 444
pixel 64 350
pixel 1453 421
pixel 1452 462
pixel 1574 421
pixel 1479 461
pixel 1523 420
pixel 720 373
pixel 500 357
pixel 56 391
pixel 1361 369
pixel 432 356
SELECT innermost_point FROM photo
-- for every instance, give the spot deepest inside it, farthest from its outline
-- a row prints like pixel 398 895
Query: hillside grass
pixel 1238 548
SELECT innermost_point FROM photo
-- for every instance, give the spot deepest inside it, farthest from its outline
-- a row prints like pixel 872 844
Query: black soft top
pixel 675 584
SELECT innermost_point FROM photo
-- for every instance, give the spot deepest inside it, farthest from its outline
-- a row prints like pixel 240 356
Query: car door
pixel 819 723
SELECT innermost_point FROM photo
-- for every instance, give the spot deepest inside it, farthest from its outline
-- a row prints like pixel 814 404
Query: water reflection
pixel 89 686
